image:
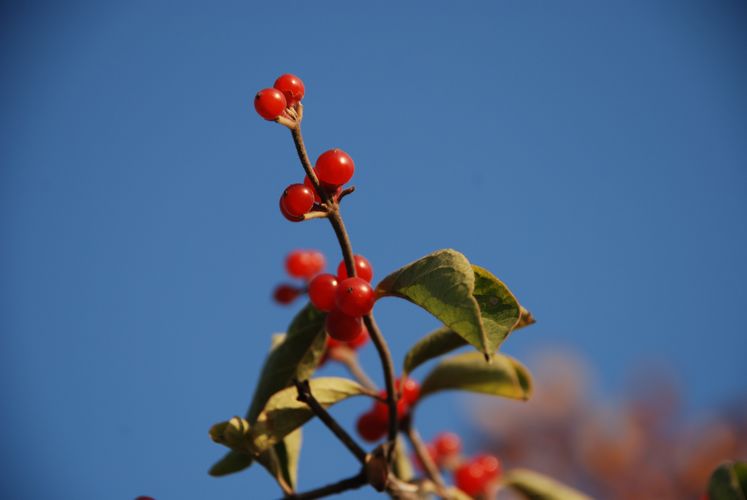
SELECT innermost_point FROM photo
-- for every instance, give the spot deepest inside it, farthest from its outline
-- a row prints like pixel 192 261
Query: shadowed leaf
pixel 728 482
pixel 295 354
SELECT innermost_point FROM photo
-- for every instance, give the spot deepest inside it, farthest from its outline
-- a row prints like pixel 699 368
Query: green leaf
pixel 284 413
pixel 442 283
pixel 537 486
pixel 443 341
pixel 295 354
pixel 503 376
pixel 498 307
pixel 296 357
pixel 728 482
pixel 288 452
pixel 230 463
pixel 434 344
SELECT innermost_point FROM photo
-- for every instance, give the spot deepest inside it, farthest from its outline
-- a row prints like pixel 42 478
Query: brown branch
pixel 338 225
pixel 351 483
pixel 305 396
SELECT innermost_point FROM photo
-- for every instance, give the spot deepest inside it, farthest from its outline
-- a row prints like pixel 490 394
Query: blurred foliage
pixel 641 446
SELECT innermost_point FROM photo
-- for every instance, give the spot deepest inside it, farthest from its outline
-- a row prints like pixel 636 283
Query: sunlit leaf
pixel 503 376
pixel 230 463
pixel 442 283
pixel 535 486
pixel 728 482
pixel 499 309
pixel 284 413
pixel 402 465
pixel 288 452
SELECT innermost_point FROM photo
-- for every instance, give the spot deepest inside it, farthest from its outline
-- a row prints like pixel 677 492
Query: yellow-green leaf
pixel 503 376
pixel 284 413
pixel 536 486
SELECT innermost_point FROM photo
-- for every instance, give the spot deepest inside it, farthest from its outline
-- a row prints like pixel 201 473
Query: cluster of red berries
pixel 302 264
pixel 287 91
pixel 346 300
pixel 373 425
pixel 333 168
pixel 474 476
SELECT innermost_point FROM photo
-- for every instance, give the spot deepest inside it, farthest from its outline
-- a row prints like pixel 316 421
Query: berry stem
pixel 335 219
pixel 388 367
pixel 349 358
pixel 304 156
pixel 351 483
pixel 416 441
pixel 305 396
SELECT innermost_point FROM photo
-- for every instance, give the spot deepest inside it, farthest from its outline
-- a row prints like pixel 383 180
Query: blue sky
pixel 592 155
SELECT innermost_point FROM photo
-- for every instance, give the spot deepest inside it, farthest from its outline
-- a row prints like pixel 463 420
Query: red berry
pixel 292 88
pixel 342 327
pixel 322 290
pixel 360 340
pixel 308 184
pixel 334 167
pixel 409 392
pixel 297 200
pixel 490 464
pixel 145 498
pixel 370 427
pixel 269 103
pixel 470 478
pixel 285 294
pixel 287 215
pixel 381 408
pixel 355 297
pixel 363 269
pixel 447 444
pixel 304 263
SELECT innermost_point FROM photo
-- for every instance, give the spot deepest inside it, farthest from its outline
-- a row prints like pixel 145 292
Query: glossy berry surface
pixel 409 392
pixel 297 200
pixel 447 444
pixel 363 268
pixel 304 264
pixel 342 327
pixel 355 297
pixel 269 103
pixel 370 427
pixel 292 88
pixel 322 291
pixel 470 478
pixel 288 215
pixel 334 167
pixel 285 294
pixel 491 466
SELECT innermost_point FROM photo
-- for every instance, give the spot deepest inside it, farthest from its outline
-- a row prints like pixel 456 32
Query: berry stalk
pixel 335 219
